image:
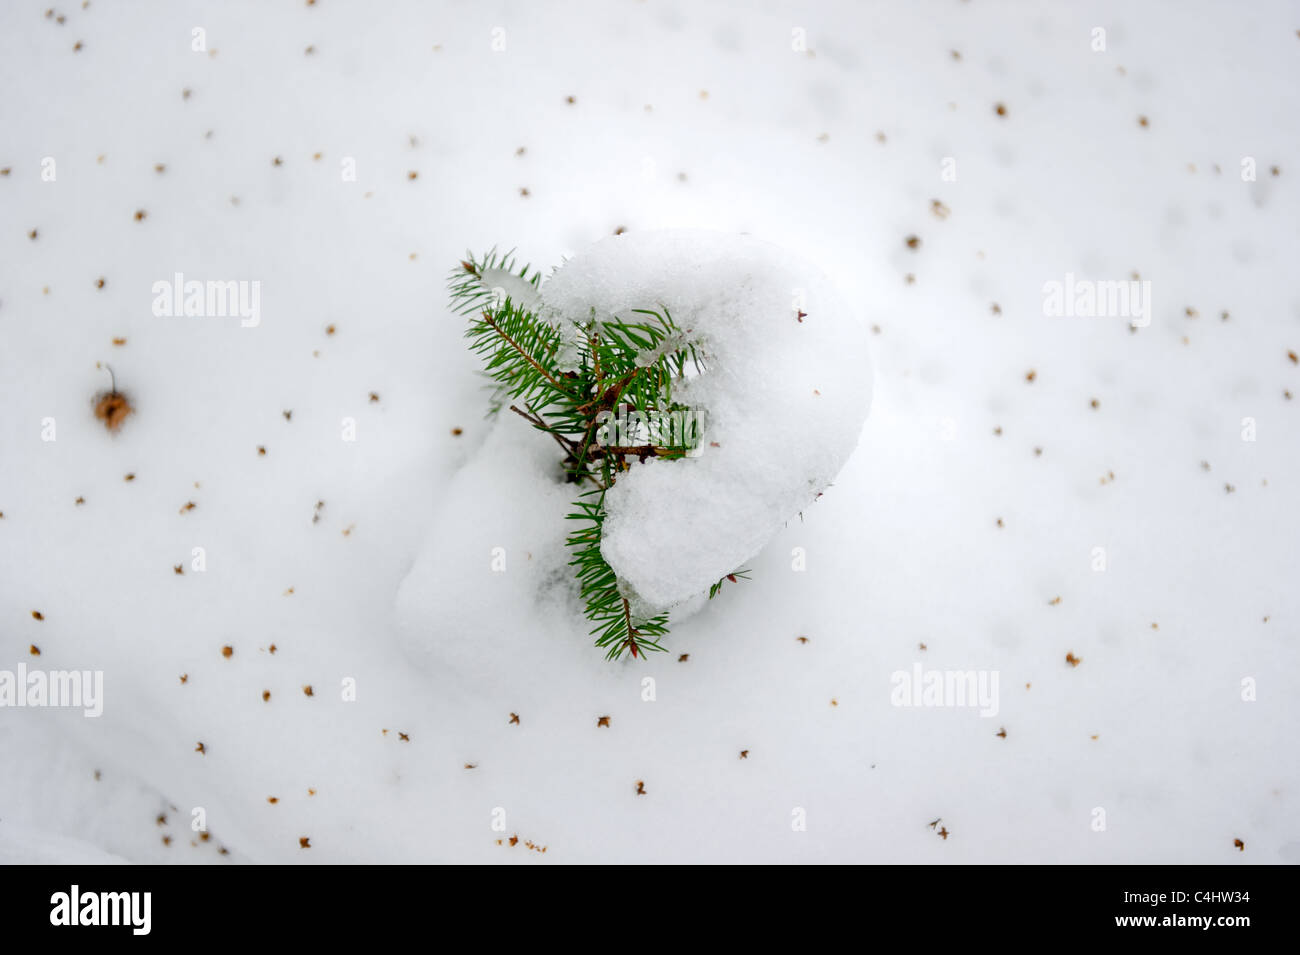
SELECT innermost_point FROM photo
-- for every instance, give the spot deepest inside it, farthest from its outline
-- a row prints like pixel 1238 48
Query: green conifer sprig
pixel 571 380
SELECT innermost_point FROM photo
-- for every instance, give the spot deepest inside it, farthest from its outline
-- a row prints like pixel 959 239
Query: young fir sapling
pixel 577 380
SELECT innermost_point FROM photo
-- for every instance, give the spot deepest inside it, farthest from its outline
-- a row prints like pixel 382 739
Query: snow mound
pixel 785 391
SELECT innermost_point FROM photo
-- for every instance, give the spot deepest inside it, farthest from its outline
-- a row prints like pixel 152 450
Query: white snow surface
pixel 783 397
pixel 977 496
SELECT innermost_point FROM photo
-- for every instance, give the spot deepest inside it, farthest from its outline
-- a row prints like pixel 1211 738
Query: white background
pixel 684 114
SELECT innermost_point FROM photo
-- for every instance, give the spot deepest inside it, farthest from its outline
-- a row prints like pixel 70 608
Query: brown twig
pixel 540 424
pixel 631 630
pixel 641 450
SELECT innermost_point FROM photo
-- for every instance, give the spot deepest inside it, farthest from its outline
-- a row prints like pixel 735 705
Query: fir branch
pixel 611 363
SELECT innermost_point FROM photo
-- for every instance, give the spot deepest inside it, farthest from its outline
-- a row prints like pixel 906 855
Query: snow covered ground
pixel 1101 516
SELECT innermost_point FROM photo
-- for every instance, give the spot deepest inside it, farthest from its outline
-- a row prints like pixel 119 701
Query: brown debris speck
pixel 227 651
pixel 112 408
pixel 201 749
pixel 1071 659
pixel 1239 845
pixel 1000 109
pixel 37 615
pixel 266 696
pixel 34 650
pixel 1142 121
pixel 304 843
pixel 141 215
pixel 514 717
pixel 188 506
pixel 308 691
pixel 683 658
pixel 640 788
pixel 744 754
pixel 913 242
pixel 1002 732
pixel 602 721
